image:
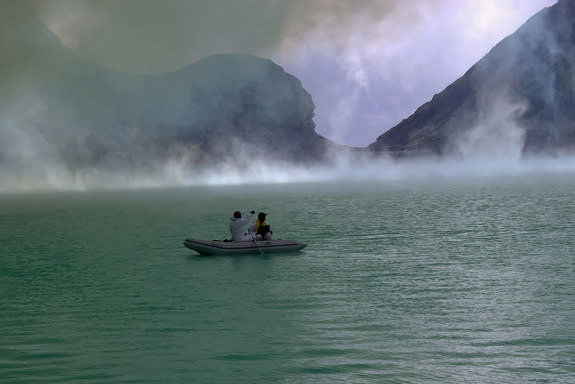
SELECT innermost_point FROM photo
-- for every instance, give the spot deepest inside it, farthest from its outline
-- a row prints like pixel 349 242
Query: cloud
pixel 402 60
pixel 150 36
pixel 375 60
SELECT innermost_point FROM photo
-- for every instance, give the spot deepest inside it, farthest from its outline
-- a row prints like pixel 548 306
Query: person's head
pixel 262 216
pixel 237 214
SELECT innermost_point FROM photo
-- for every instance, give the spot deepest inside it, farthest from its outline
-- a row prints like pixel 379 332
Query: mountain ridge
pixel 60 112
pixel 521 90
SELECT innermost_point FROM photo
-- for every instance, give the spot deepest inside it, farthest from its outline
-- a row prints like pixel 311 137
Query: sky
pixel 367 63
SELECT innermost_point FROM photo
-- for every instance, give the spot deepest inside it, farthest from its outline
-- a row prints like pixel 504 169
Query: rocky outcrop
pixel 241 104
pixel 231 109
pixel 519 98
pixel 224 109
pixel 58 111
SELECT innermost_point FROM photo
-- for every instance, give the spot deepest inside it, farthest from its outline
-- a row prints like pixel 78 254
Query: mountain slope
pixel 62 115
pixel 519 99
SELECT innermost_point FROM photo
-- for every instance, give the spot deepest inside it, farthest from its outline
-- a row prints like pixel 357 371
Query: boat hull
pixel 219 247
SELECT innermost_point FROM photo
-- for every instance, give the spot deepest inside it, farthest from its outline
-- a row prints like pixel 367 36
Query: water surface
pixel 415 282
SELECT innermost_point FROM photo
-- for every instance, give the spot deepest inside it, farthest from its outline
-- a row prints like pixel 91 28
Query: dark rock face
pixel 519 97
pixel 241 104
pixel 224 109
pixel 229 110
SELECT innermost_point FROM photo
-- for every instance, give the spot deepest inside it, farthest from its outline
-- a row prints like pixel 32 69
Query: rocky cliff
pixel 60 112
pixel 518 99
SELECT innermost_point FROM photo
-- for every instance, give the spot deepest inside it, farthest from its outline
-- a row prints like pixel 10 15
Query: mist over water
pixel 42 146
pixel 345 170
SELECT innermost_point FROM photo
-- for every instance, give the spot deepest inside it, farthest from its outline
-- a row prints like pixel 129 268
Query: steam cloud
pixel 138 36
pixel 143 36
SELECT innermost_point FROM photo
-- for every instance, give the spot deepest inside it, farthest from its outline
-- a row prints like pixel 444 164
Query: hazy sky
pixel 367 63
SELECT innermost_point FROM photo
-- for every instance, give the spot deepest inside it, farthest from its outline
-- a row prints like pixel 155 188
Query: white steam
pixel 370 69
pixel 498 134
pixel 347 169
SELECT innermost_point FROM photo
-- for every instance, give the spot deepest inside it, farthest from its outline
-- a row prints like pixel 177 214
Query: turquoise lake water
pixel 402 282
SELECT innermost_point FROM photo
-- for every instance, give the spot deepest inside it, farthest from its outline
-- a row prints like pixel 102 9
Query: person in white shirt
pixel 238 226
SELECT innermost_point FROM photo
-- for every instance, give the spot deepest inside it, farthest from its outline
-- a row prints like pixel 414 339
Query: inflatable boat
pixel 220 247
